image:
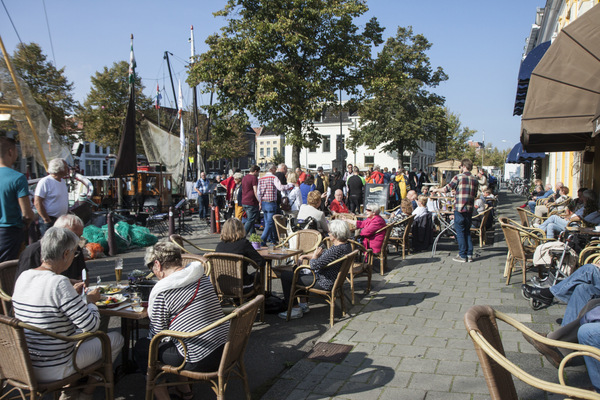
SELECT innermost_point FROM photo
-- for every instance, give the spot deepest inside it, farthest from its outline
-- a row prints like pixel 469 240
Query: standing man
pixel 465 185
pixel 413 180
pixel 268 186
pixel 348 173
pixel 15 207
pixel 202 187
pixel 281 173
pixel 51 194
pixel 355 191
pixel 321 184
pixel 250 198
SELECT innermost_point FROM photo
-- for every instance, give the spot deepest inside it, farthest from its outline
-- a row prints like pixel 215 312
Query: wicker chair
pixel 8 271
pixel 383 253
pixel 481 230
pixel 480 322
pixel 337 291
pixel 280 227
pixel 306 240
pixel 362 265
pixel 227 277
pixel 17 370
pixel 403 241
pixel 232 360
pixel 181 242
pixel 517 252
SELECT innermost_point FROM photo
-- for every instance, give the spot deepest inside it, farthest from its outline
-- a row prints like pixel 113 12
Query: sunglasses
pixel 369 210
pixel 150 265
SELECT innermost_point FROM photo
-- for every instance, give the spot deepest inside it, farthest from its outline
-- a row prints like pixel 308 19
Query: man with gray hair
pixel 31 256
pixel 51 194
pixel 15 207
pixel 268 188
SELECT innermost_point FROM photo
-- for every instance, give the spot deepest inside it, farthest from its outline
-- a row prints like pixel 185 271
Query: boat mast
pixel 192 59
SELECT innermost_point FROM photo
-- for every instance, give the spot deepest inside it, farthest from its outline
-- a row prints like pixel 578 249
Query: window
pixel 268 142
pixel 262 152
pixel 274 151
pixel 87 147
pixel 369 160
pixel 312 166
pixel 104 168
pixel 312 148
pixel 268 152
pixel 93 167
pixel 326 144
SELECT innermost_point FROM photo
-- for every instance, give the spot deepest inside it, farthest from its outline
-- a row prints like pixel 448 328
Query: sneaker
pixel 295 314
pixel 459 259
pixel 536 225
pixel 469 258
pixel 304 307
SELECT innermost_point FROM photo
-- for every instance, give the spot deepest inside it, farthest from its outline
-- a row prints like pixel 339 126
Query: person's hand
pixel 78 286
pixel 93 296
pixel 317 253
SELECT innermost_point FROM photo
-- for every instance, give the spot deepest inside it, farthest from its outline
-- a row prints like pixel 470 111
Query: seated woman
pixel 44 298
pixel 233 240
pixel 588 215
pixel 183 300
pixel 403 212
pixel 311 209
pixel 421 206
pixel 370 226
pixel 324 278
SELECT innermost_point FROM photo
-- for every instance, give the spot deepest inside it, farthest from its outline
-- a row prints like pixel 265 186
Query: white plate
pixel 112 289
pixel 116 300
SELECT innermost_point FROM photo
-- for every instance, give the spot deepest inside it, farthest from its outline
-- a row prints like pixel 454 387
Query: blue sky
pixel 478 43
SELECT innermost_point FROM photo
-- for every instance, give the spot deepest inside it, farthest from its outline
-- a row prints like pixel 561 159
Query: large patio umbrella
pixel 564 89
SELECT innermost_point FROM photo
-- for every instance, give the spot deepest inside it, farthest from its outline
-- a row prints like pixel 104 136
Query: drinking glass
pixel 136 302
pixel 118 270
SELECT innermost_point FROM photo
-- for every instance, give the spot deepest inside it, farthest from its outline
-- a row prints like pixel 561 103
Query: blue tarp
pixel 527 67
pixel 518 156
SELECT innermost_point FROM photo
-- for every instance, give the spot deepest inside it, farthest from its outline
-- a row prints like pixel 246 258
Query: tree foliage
pixel 398 109
pixel 284 61
pixel 49 86
pixel 228 138
pixel 452 139
pixel 103 111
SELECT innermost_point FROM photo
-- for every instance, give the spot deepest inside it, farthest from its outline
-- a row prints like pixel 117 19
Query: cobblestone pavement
pixel 409 339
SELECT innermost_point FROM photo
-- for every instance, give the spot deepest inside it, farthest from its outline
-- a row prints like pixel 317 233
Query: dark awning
pixel 527 67
pixel 564 89
pixel 518 156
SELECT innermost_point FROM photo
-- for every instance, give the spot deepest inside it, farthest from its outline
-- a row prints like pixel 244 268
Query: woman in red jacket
pixel 370 226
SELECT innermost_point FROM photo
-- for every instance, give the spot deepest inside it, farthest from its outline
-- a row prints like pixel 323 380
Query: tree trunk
pixel 295 157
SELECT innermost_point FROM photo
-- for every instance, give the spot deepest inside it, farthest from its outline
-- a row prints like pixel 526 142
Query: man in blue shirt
pixel 549 192
pixel 202 187
pixel 15 206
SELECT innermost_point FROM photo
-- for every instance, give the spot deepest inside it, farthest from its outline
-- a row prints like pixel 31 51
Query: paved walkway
pixel 409 338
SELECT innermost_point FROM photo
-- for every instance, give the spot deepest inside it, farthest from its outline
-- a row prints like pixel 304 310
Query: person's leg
pixel 459 227
pixel 206 202
pixel 468 221
pixel 589 334
pixel 10 243
pixel 531 205
pixel 250 217
pixel 586 274
pixel 581 296
pixel 201 207
pixel 268 212
pixel 239 212
pixel 91 351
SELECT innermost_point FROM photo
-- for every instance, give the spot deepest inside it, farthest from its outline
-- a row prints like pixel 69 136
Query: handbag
pixel 285 204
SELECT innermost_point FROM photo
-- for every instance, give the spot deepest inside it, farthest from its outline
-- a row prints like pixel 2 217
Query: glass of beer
pixel 118 269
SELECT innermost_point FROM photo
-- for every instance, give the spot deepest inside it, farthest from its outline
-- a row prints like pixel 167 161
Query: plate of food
pixel 110 301
pixel 109 289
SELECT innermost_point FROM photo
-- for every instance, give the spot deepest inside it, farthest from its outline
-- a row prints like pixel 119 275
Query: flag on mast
pixel 180 116
pixel 158 97
pixel 51 134
pixel 126 162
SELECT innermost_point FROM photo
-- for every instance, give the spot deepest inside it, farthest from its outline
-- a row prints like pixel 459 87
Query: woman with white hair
pixel 44 298
pixel 324 278
pixel 369 227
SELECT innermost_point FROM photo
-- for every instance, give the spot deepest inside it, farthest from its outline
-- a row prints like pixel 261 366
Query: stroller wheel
pixel 524 293
pixel 536 304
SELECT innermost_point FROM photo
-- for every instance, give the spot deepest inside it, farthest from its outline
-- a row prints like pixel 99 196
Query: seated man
pixel 412 196
pixel 588 214
pixel 563 194
pixel 549 192
pixel 338 206
pixel 31 258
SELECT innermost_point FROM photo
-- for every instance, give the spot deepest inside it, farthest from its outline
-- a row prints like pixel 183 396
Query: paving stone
pixel 431 382
pixel 418 365
pixel 435 353
pixel 466 368
pixel 391 393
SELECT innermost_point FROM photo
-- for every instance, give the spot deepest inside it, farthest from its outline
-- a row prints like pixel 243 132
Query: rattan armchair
pixel 337 291
pixel 480 322
pixel 383 253
pixel 8 271
pixel 404 240
pixel 517 252
pixel 306 240
pixel 17 370
pixel 232 360
pixel 181 242
pixel 280 227
pixel 481 230
pixel 227 277
pixel 362 265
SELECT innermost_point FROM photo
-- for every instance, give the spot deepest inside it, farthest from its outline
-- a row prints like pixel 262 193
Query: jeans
pixel 531 205
pixel 554 224
pixel 269 209
pixel 590 334
pixel 10 243
pixel 203 205
pixel 251 214
pixel 462 226
pixel 577 290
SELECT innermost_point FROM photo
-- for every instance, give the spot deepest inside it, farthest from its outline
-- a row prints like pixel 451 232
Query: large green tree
pixel 49 86
pixel 103 111
pixel 399 109
pixel 452 138
pixel 284 61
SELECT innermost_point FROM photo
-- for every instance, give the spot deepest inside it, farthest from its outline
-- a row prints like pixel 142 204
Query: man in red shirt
pixel 337 206
pixel 301 175
pixel 250 198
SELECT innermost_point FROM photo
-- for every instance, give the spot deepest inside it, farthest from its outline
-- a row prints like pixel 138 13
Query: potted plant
pixel 255 239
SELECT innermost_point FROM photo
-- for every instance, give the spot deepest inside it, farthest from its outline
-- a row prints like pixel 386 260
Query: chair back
pixel 239 332
pixel 178 241
pixel 408 229
pixel 227 273
pixel 499 380
pixel 364 258
pixel 513 241
pixel 8 271
pixel 15 363
pixel 523 216
pixel 280 227
pixel 347 262
pixel 485 218
pixel 306 240
pixel 187 258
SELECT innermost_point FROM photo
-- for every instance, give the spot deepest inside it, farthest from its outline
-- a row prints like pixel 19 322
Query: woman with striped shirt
pixel 44 298
pixel 183 300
